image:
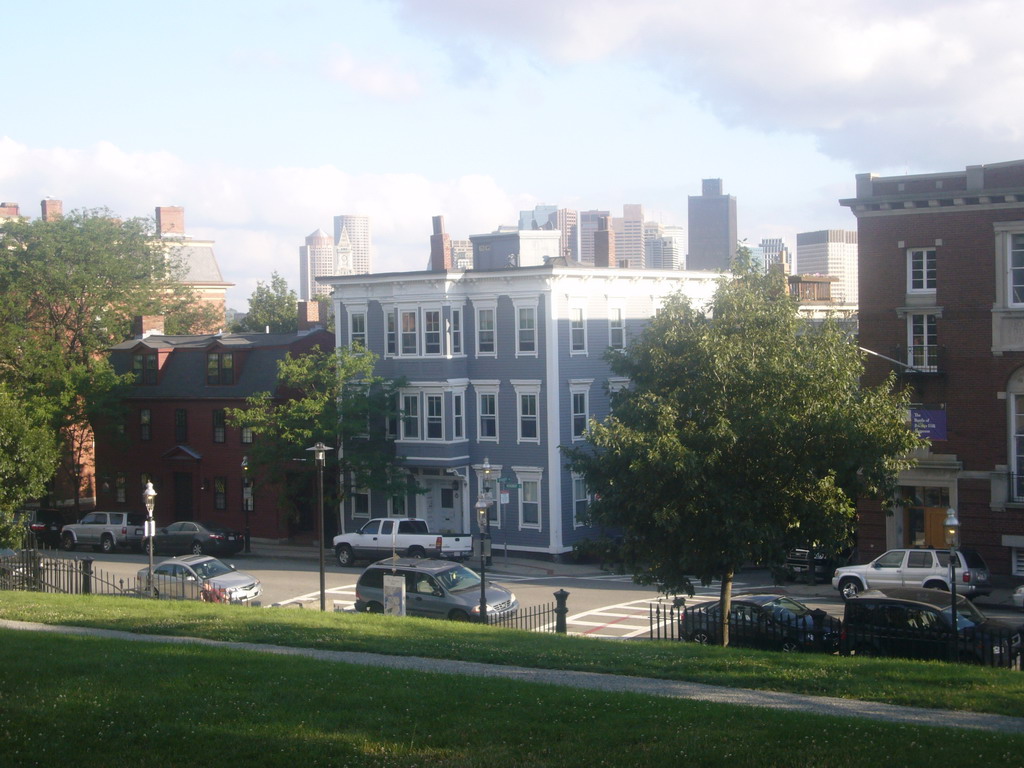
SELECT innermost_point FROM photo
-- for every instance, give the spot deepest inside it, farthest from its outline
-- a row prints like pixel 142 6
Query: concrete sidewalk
pixel 819 705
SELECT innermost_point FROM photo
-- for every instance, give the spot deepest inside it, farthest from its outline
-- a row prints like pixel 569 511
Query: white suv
pixel 927 568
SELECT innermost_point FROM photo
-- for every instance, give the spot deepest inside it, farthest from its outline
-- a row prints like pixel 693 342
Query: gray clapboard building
pixel 504 364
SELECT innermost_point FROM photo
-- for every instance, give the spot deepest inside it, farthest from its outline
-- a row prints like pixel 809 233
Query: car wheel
pixel 374 607
pixel 700 636
pixel 789 646
pixel 107 544
pixel 344 555
pixel 417 552
pixel 197 547
pixel 849 588
pixel 458 616
pixel 67 542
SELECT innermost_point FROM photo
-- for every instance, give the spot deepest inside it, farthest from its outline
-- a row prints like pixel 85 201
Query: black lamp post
pixel 149 499
pixel 481 520
pixel 951 530
pixel 246 501
pixel 320 453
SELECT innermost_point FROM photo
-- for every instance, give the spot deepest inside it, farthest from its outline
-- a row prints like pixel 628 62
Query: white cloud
pixel 257 218
pixel 383 79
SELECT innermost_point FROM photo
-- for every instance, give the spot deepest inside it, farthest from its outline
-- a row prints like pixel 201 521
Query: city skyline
pixel 281 116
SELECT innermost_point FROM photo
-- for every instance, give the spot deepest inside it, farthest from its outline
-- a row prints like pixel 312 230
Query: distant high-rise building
pixel 629 237
pixel 712 228
pixel 565 220
pixel 462 254
pixel 830 252
pixel 588 225
pixel 664 246
pixel 777 255
pixel 358 230
pixel 316 259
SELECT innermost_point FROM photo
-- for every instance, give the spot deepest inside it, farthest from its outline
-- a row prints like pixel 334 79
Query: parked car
pixel 771 622
pixel 436 589
pixel 410 538
pixel 1018 596
pixel 918 624
pixel 201 577
pixel 44 525
pixel 928 568
pixel 196 538
pixel 106 531
pixel 799 560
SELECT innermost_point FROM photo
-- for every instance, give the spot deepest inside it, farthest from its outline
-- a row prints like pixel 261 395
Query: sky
pixel 265 119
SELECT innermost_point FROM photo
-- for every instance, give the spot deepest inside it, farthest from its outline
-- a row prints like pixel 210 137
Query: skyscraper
pixel 565 220
pixel 629 237
pixel 316 259
pixel 830 252
pixel 357 229
pixel 589 223
pixel 777 255
pixel 664 246
pixel 712 226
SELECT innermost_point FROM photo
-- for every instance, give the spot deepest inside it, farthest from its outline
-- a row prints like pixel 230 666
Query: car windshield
pixel 458 578
pixel 210 568
pixel 785 609
pixel 966 615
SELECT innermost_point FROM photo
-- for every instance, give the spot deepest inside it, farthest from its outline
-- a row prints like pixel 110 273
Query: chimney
pixel 604 244
pixel 9 211
pixel 52 209
pixel 440 247
pixel 170 220
pixel 147 325
pixel 309 315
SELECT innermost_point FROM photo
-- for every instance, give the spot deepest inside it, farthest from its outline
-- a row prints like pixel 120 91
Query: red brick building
pixel 942 293
pixel 176 432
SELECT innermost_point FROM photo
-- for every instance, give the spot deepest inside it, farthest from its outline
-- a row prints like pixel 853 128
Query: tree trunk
pixel 725 600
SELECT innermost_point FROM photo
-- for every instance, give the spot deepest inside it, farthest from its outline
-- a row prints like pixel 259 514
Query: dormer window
pixel 144 368
pixel 220 368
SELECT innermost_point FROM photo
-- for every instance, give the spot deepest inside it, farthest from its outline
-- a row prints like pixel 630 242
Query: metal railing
pixel 549 617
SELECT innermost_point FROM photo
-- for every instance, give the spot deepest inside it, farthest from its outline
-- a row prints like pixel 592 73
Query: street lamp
pixel 246 499
pixel 481 520
pixel 951 530
pixel 149 499
pixel 485 529
pixel 319 453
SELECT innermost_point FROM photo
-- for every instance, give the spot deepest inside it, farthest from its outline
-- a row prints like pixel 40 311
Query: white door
pixel 439 507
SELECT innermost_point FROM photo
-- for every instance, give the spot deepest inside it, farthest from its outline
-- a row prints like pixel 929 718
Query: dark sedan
pixel 772 622
pixel 188 537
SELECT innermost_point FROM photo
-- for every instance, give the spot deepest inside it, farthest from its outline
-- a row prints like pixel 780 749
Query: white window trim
pixel 932 361
pixel 520 304
pixel 461 395
pixel 369 504
pixel 579 387
pixel 487 388
pixel 573 308
pixel 524 387
pixel 353 311
pixel 417 396
pixel 910 268
pixel 611 328
pixel 528 475
pixel 450 350
pixel 439 394
pixel 485 306
pixel 575 499
pixel 440 330
pixel 417 336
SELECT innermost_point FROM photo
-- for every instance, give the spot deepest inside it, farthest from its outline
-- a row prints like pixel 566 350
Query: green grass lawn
pixel 83 701
pixel 923 684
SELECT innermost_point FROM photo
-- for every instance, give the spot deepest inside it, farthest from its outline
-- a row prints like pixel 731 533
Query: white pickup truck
pixel 406 537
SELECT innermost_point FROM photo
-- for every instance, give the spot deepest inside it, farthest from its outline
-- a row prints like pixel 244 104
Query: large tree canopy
pixel 69 289
pixel 333 398
pixel 272 307
pixel 28 454
pixel 745 432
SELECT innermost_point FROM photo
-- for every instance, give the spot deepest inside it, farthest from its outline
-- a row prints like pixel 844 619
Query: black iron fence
pixel 988 646
pixel 549 617
pixel 30 570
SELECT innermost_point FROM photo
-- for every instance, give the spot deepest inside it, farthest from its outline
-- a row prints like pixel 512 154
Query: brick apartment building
pixel 176 432
pixel 941 292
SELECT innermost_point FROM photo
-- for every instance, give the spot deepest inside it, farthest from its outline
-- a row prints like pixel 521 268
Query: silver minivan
pixel 437 589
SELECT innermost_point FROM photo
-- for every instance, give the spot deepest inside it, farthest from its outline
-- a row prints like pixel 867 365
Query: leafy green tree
pixel 28 455
pixel 69 289
pixel 272 306
pixel 330 397
pixel 744 432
